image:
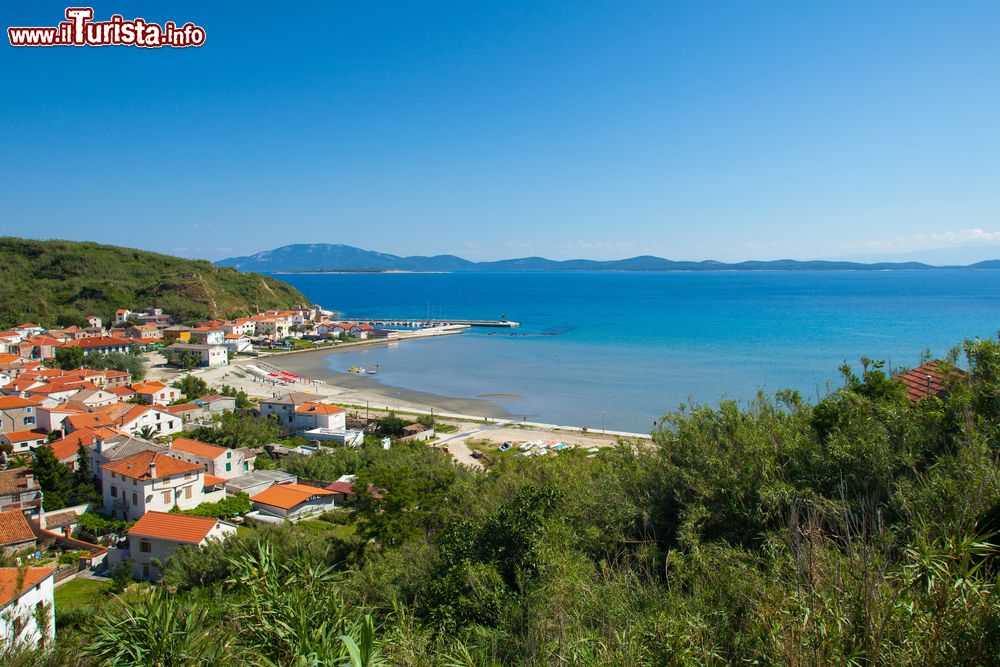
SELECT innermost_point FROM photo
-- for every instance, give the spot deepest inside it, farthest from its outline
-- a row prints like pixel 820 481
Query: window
pixel 135 499
pixel 166 496
pixel 229 455
pixel 114 491
pixel 144 546
pixel 29 420
pixel 187 492
pixel 246 465
pixel 229 466
pixel 145 570
pixel 28 410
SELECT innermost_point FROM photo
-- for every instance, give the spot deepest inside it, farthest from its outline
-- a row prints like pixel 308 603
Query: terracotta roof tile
pixel 318 409
pixel 14 528
pixel 174 527
pixel 8 582
pixel 287 496
pixel 929 379
pixel 197 447
pixel 137 466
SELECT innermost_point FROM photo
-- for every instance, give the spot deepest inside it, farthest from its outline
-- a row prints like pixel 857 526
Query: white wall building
pixel 22 607
pixel 157 535
pixel 151 481
pixel 219 461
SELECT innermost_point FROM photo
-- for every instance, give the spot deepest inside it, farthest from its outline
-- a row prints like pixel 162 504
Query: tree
pixel 192 387
pixel 84 487
pixel 147 433
pixel 234 430
pixel 68 358
pixel 54 478
pixel 182 359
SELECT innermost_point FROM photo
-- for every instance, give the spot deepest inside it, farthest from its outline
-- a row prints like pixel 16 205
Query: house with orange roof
pixel 19 491
pixel 155 392
pixel 73 423
pixel 121 316
pixel 313 415
pixel 149 330
pixel 293 501
pixel 157 535
pixel 187 411
pixel 123 393
pixel 153 481
pixel 67 448
pixel 94 322
pixel 15 533
pixel 219 461
pixel 22 442
pixel 241 326
pixel 29 329
pixel 18 414
pixel 99 344
pixel 22 593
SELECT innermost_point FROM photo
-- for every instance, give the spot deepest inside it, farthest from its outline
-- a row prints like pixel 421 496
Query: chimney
pixel 99 445
pixel 152 467
pixel 928 385
pixel 29 480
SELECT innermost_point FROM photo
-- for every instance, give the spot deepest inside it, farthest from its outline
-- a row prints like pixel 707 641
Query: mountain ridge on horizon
pixel 320 257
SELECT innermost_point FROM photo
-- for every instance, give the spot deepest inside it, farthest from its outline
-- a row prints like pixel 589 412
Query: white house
pixel 293 501
pixel 24 601
pixel 155 392
pixel 151 481
pixel 24 441
pixel 210 355
pixel 207 335
pixel 122 315
pixel 314 415
pixel 157 535
pixel 301 412
pixel 161 422
pixel 242 326
pixel 237 343
pixel 219 461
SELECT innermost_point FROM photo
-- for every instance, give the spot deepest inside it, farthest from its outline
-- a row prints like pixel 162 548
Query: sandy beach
pixel 476 419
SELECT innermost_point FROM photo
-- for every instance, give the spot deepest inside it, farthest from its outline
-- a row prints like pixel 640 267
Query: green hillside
pixel 61 282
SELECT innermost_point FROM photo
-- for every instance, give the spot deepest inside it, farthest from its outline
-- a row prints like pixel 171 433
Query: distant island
pixel 334 257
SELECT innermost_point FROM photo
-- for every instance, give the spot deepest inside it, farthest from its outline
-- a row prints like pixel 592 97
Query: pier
pixel 417 324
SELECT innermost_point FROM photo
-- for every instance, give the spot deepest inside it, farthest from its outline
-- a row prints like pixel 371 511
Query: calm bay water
pixel 623 348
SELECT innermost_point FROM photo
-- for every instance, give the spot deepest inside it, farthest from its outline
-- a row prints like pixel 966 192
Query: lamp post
pixel 604 414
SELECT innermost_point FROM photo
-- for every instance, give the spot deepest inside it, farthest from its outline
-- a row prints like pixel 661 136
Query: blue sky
pixel 728 130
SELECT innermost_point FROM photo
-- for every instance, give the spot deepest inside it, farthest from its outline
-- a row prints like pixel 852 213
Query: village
pixel 101 475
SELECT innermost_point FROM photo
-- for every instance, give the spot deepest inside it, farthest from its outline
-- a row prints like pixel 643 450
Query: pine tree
pixel 54 478
pixel 84 489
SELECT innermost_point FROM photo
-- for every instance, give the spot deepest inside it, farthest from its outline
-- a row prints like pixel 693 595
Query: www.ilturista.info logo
pixel 81 30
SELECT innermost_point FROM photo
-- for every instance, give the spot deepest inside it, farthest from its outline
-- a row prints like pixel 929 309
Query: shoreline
pixel 360 393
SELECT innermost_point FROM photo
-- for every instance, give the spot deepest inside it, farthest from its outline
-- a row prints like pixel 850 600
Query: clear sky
pixel 694 130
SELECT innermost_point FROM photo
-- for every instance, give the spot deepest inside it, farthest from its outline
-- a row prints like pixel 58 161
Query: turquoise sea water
pixel 623 348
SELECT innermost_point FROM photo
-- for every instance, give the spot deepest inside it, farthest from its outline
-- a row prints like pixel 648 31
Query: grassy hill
pixel 61 282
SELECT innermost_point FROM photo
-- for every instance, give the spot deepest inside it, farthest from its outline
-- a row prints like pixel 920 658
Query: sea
pixel 618 350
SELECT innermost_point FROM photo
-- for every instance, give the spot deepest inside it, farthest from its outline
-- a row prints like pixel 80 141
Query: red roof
pixel 318 409
pixel 97 341
pixel 9 576
pixel 288 496
pixel 148 387
pixel 197 447
pixel 65 448
pixel 14 402
pixel 212 480
pixel 138 465
pixel 24 436
pixel 174 527
pixel 89 420
pixel 928 380
pixel 14 528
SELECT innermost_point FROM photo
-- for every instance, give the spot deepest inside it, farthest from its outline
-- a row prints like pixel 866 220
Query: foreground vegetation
pixel 62 282
pixel 858 531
